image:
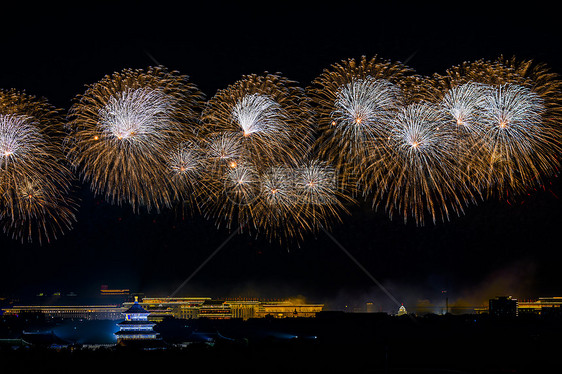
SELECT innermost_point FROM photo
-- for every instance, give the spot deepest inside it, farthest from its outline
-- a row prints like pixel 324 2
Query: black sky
pixel 53 51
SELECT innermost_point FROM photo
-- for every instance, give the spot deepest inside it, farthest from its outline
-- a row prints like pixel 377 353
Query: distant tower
pixel 136 327
pixel 402 311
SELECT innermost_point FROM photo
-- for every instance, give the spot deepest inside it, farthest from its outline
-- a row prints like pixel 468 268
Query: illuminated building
pixel 285 309
pixel 401 311
pixel 106 291
pixel 244 309
pixel 136 325
pixel 176 307
pixel 180 308
pixel 541 306
pixel 503 307
pixel 215 309
pixel 204 307
pixel 92 312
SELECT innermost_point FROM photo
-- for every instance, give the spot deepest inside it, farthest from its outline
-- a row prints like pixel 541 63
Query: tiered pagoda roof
pixel 136 325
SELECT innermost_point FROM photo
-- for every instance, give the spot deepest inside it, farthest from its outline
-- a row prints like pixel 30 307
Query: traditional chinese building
pixel 136 327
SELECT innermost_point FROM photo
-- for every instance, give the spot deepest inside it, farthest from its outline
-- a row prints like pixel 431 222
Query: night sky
pixel 495 248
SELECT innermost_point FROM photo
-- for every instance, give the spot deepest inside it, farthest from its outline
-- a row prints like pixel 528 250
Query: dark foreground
pixel 330 343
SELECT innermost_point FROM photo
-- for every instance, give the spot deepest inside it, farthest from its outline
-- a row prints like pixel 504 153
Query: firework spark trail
pixel 297 200
pixel 354 101
pixel 236 192
pixel 223 150
pixel 267 115
pixel 512 121
pixel 18 138
pixel 316 183
pixel 280 160
pixel 420 168
pixel 122 129
pixel 463 103
pixel 416 166
pixel 187 170
pixel 35 183
pixel 363 110
pixel 461 106
pixel 501 162
pixel 257 114
pixel 185 160
pixel 135 115
pixel 276 209
pixel 255 129
pixel 319 190
pixel 40 211
pixel 242 184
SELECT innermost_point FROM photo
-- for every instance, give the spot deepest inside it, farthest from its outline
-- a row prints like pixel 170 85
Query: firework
pixel 38 209
pixel 319 190
pixel 136 115
pixel 276 214
pixel 511 140
pixel 258 124
pixel 462 106
pixel 542 93
pixel 187 167
pixel 418 175
pixel 35 184
pixel 279 161
pixel 127 131
pixel 362 112
pixel 223 150
pixel 479 71
pixel 20 139
pixel 517 144
pixel 230 196
pixel 296 200
pixel 242 186
pixel 354 102
pixel 266 117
